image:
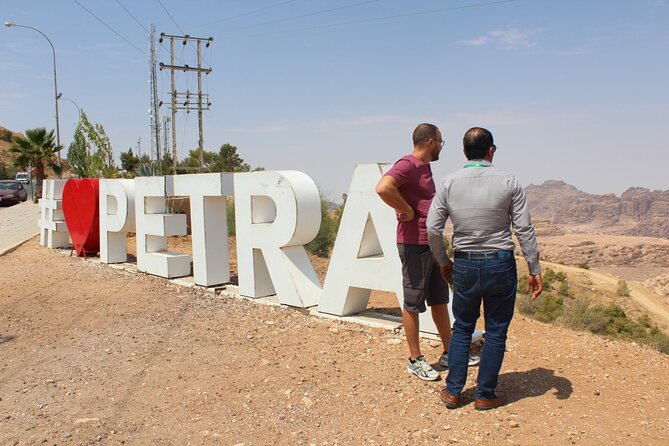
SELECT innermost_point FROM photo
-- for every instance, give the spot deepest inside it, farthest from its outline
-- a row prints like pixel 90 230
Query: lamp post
pixel 55 81
pixel 60 96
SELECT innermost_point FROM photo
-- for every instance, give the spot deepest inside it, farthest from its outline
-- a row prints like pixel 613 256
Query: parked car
pixel 23 177
pixel 12 192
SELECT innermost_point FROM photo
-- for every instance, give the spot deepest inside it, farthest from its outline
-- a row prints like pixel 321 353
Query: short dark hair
pixel 476 142
pixel 424 132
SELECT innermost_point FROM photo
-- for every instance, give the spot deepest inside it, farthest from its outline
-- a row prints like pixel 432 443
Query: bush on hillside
pixel 5 135
pixel 545 309
pixel 623 289
pixel 563 289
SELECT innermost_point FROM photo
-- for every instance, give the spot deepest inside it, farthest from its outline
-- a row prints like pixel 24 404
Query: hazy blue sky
pixel 575 90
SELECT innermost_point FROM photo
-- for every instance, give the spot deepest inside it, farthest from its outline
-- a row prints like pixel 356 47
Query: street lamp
pixel 60 96
pixel 55 81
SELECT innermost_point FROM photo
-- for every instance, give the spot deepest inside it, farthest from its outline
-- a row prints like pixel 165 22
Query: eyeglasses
pixel 441 141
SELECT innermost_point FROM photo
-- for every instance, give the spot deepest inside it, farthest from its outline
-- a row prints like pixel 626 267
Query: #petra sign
pixel 276 214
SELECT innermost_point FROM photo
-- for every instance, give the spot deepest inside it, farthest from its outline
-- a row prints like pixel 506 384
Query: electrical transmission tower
pixel 186 100
pixel 155 111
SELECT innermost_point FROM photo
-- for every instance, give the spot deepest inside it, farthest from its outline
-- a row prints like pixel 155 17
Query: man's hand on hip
pixel 409 215
pixel 535 284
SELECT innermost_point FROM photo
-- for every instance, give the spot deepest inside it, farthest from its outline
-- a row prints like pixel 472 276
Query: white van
pixel 23 177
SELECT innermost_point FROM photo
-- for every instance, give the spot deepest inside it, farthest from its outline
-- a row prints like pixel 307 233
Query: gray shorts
pixel 421 278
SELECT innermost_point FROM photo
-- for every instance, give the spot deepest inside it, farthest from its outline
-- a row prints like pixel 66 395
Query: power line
pixel 110 28
pixel 325 11
pixel 176 24
pixel 390 17
pixel 275 5
pixel 133 17
pixel 171 18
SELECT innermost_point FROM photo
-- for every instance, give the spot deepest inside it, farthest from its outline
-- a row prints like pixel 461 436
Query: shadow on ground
pixel 528 384
pixel 5 339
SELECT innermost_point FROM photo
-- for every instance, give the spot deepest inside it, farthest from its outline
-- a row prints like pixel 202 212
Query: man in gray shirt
pixel 484 203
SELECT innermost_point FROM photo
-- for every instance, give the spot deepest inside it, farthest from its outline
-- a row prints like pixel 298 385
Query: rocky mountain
pixel 638 211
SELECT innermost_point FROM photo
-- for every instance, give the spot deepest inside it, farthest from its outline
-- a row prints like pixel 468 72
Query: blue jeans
pixel 494 282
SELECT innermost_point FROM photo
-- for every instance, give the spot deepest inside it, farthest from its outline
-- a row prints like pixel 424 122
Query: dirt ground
pixel 90 354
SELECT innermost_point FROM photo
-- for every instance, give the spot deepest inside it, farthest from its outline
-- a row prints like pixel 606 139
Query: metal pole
pixel 199 104
pixel 55 79
pixel 60 97
pixel 174 109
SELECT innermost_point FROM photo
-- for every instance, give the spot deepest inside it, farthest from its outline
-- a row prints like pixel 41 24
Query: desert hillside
pixel 5 156
pixel 637 212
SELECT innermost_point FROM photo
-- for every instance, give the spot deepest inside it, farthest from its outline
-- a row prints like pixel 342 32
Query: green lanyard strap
pixel 476 165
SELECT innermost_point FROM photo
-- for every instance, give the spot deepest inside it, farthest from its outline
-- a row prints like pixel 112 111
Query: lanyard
pixel 476 165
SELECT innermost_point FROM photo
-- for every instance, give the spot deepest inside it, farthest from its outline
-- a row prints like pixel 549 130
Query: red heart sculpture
pixel 81 209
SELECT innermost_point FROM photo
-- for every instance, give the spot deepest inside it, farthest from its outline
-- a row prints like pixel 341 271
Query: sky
pixel 572 90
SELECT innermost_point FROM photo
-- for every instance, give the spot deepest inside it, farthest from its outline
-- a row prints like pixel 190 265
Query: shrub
pixel 546 309
pixel 611 321
pixel 548 277
pixel 324 241
pixel 525 305
pixel 659 341
pixel 563 289
pixel 6 135
pixel 583 265
pixel 645 321
pixel 550 307
pixel 575 314
pixel 623 289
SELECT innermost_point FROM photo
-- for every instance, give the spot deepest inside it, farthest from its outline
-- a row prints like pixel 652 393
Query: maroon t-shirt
pixel 414 181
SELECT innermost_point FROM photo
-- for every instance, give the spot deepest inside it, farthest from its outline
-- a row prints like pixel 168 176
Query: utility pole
pixel 203 102
pixel 173 93
pixel 166 131
pixel 139 147
pixel 155 111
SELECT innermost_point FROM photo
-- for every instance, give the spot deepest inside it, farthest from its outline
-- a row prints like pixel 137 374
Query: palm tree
pixel 38 149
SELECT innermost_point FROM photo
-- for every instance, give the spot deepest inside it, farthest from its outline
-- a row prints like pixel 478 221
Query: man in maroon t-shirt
pixel 408 188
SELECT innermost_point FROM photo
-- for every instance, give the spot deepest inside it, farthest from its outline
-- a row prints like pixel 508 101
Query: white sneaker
pixel 422 369
pixel 473 360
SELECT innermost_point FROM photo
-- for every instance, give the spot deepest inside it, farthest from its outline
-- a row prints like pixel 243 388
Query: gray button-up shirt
pixel 483 203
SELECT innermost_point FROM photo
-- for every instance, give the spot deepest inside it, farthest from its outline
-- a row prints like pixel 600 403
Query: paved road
pixel 18 223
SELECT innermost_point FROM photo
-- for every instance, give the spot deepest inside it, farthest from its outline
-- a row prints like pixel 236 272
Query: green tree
pixel 193 160
pixel 78 155
pixel 229 161
pixel 129 161
pixel 225 160
pixel 166 165
pixel 324 240
pixel 93 155
pixel 38 149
